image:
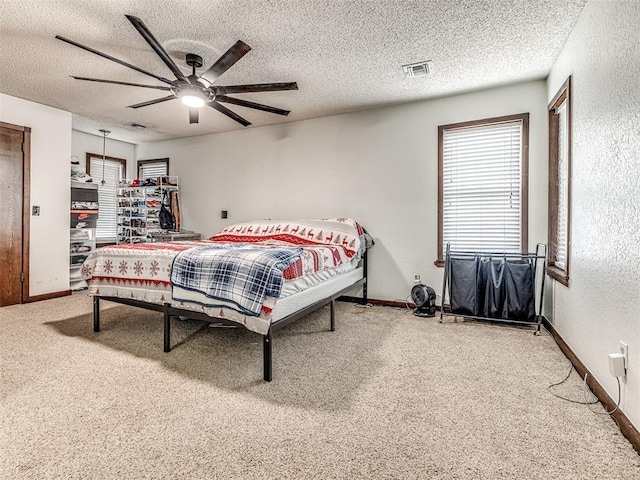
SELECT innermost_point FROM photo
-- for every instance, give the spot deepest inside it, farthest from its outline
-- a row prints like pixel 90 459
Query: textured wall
pixel 83 143
pixel 378 166
pixel 602 303
pixel 50 189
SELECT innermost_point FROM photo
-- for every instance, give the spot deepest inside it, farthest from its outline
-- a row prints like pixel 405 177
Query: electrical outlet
pixel 616 365
pixel 416 278
pixel 224 213
pixel 624 350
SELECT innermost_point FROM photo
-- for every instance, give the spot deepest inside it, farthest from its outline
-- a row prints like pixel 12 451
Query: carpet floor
pixel 386 396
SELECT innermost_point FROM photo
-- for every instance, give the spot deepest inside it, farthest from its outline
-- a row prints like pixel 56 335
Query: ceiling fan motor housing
pixel 196 89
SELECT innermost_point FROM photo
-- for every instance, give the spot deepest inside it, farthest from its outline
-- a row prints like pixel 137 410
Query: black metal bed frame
pixel 540 255
pixel 267 339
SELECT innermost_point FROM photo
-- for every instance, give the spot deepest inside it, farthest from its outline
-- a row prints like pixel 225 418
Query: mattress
pixel 301 293
pixel 291 304
pixel 291 287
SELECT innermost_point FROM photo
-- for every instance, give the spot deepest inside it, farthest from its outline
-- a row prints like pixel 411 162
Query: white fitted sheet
pixel 291 287
pixel 292 303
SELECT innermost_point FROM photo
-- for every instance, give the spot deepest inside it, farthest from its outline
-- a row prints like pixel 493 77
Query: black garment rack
pixel 478 287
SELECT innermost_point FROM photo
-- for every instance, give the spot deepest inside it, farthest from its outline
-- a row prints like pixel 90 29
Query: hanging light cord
pixel 104 147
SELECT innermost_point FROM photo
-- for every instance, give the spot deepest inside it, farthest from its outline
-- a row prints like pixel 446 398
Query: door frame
pixel 26 203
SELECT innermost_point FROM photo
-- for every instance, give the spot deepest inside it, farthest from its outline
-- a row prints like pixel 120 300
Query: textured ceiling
pixel 345 55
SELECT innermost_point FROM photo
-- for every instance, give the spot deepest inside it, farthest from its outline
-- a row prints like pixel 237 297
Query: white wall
pixel 83 143
pixel 377 166
pixel 50 189
pixel 602 303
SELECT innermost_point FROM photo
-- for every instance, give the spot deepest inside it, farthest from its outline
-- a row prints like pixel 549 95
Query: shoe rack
pixel 139 207
pixel 82 241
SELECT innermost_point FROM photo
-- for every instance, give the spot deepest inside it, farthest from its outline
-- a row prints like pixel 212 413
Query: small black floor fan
pixel 424 298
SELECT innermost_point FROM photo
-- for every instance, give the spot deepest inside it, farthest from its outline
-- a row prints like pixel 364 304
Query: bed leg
pixel 96 314
pixel 267 365
pixel 332 315
pixel 365 273
pixel 167 329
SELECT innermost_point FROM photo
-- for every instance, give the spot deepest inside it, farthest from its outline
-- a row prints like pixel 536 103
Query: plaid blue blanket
pixel 242 274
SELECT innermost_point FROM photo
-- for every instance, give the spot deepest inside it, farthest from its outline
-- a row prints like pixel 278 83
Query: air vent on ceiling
pixel 418 69
pixel 135 125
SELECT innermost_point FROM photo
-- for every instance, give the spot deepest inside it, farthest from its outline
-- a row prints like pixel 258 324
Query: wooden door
pixel 11 213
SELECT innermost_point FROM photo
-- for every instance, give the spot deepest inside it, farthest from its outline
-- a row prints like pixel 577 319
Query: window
pixel 560 183
pixel 153 168
pixel 483 185
pixel 112 170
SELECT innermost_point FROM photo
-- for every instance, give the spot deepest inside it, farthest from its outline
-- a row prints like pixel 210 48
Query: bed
pixel 258 275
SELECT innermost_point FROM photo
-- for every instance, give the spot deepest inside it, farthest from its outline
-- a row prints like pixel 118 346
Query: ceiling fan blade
pixel 121 83
pixel 229 113
pixel 151 40
pixel 260 87
pixel 257 106
pixel 193 115
pixel 226 61
pixel 113 59
pixel 153 102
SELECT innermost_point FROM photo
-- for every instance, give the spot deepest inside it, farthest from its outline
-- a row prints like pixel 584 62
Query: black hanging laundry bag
pixel 482 280
pixel 462 281
pixel 495 305
pixel 165 217
pixel 520 286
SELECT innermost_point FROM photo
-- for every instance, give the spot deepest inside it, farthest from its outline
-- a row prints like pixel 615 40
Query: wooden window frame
pixel 122 161
pixel 524 180
pixel 554 271
pixel 140 163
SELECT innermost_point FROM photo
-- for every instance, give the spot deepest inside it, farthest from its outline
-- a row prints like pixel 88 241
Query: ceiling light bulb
pixel 193 101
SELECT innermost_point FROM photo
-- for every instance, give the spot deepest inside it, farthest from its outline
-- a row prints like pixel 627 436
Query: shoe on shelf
pixel 167 181
pixel 79 235
pixel 82 177
pixel 80 248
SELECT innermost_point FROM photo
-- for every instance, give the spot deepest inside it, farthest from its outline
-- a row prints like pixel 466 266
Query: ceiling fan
pixel 193 90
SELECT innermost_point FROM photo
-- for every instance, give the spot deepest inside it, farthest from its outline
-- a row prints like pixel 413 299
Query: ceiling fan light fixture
pixel 192 101
pixel 193 95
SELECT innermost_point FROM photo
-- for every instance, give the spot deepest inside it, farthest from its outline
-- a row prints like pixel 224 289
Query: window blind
pixel 482 187
pixel 563 187
pixel 106 230
pixel 152 170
